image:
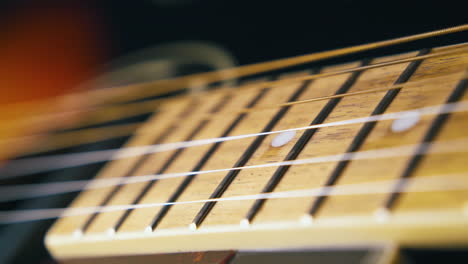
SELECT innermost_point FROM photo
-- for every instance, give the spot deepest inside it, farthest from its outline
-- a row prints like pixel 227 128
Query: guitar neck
pixel 309 158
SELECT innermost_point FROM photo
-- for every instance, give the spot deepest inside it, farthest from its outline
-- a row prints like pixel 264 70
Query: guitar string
pixel 86 136
pixel 144 90
pixel 128 110
pixel 22 191
pixel 70 139
pixel 22 167
pixel 256 198
pixel 406 85
pixel 430 183
pixel 351 49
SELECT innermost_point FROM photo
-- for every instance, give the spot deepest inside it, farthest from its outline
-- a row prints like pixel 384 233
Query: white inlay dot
pixel 382 215
pixel 283 138
pixel 245 223
pixel 193 227
pixel 406 121
pixel 465 209
pixel 306 219
pixel 149 230
pixel 111 232
pixel 77 233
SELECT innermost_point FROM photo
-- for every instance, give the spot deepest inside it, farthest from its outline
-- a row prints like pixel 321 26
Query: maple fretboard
pixel 384 204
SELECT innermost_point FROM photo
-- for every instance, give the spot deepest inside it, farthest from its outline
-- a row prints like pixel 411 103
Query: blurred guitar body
pixel 48 49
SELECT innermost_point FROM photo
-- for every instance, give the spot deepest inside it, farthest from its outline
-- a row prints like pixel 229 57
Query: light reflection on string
pixel 448 182
pixel 47 163
pixel 112 112
pixel 9 193
pixel 68 139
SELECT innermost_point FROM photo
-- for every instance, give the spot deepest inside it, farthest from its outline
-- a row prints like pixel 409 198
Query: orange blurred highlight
pixel 46 51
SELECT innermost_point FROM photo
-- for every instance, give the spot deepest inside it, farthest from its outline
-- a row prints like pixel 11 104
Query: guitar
pixel 360 158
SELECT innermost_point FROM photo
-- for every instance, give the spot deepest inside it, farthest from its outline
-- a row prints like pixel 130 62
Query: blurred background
pixel 50 47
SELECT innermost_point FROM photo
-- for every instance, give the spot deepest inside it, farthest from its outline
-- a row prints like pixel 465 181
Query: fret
pixel 300 144
pixel 297 116
pixel 226 156
pixel 439 164
pixel 140 219
pixel 157 123
pixel 430 135
pixel 231 175
pixel 224 184
pixel 382 136
pixel 133 169
pixel 181 188
pixel 365 130
pixel 186 128
pixel 226 98
pixel 174 156
pixel 338 219
pixel 328 141
pixel 148 186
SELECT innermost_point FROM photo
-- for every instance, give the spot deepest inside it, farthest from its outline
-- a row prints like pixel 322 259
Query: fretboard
pixel 367 176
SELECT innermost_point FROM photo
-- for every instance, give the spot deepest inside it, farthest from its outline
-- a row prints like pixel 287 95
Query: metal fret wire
pixel 245 157
pixel 365 131
pixel 303 141
pixel 204 158
pixel 173 157
pixel 429 136
pixel 142 159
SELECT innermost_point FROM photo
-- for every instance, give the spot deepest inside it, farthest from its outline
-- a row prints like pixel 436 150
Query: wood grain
pixel 418 219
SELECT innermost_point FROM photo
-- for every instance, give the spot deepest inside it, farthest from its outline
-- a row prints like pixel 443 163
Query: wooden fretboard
pixel 393 214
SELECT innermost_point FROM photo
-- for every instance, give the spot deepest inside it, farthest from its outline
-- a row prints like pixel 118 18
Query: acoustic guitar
pixel 344 163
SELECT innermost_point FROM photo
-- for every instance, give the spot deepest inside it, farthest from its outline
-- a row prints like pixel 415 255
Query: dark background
pixel 255 31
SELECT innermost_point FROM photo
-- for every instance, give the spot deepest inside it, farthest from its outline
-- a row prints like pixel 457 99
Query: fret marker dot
pixel 111 232
pixel 77 233
pixel 282 139
pixel 465 209
pixel 244 223
pixel 406 121
pixel 307 219
pixel 193 226
pixel 382 215
pixel 148 230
